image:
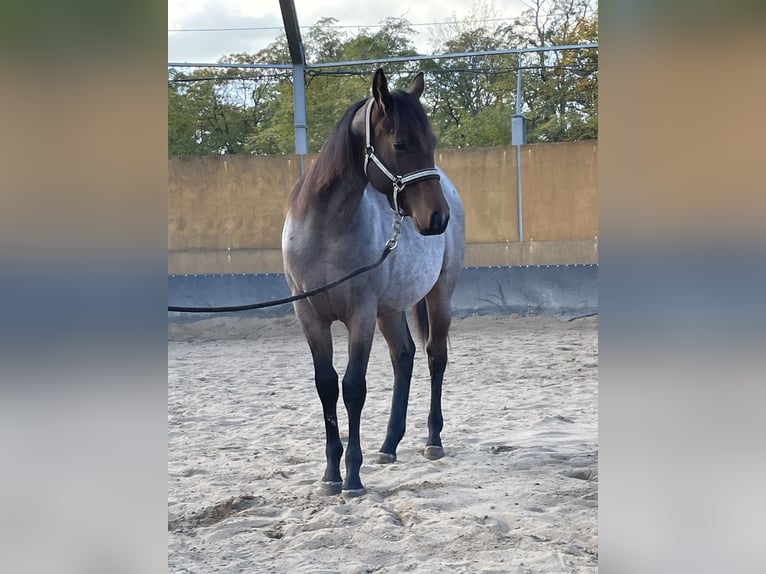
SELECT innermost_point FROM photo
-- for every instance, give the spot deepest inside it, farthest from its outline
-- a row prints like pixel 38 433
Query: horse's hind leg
pixel 319 339
pixel 402 350
pixel 439 320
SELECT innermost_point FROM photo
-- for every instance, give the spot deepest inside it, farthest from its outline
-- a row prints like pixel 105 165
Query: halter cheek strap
pixel 399 181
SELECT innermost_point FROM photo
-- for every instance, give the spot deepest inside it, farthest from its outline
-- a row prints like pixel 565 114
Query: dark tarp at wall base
pixel 560 290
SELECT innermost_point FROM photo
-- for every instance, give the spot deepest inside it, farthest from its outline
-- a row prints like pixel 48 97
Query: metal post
pixel 298 58
pixel 518 143
pixel 299 112
pixel 518 193
pixel 518 84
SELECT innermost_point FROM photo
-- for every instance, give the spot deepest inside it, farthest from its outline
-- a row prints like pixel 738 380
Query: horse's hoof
pixel 354 493
pixel 385 458
pixel 433 452
pixel 330 488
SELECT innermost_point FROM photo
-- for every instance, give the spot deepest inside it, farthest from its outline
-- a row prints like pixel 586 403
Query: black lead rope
pixel 390 245
pixel 399 183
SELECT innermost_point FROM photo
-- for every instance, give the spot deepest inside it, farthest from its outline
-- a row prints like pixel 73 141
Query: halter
pixel 399 181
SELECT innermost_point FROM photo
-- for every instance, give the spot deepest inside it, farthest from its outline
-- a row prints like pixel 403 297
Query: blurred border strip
pixel 681 283
pixel 83 223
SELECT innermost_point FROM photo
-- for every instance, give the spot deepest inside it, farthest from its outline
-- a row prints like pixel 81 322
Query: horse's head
pixel 399 155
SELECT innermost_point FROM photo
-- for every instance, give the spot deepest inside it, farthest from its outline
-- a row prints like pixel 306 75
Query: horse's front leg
pixel 401 348
pixel 319 339
pixel 360 335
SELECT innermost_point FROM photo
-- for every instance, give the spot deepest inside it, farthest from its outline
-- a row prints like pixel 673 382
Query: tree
pixel 331 91
pixel 470 99
pixel 182 124
pixel 560 88
pixel 223 110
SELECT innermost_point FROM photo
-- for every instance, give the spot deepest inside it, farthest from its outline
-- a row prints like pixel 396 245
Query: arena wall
pixel 225 216
pixel 225 213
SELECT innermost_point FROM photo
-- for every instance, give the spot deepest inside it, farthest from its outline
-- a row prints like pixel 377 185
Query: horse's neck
pixel 341 205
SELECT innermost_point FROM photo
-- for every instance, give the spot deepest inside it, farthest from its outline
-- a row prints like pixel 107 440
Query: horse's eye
pixel 400 145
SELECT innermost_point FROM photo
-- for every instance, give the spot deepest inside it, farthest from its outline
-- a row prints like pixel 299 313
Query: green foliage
pixel 470 99
pixel 560 96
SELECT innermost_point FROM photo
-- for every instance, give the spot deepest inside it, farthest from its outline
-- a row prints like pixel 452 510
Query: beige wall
pixel 560 193
pixel 486 180
pixel 228 202
pixel 225 213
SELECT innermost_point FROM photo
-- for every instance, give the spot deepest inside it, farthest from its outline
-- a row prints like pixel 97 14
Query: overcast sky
pixel 210 46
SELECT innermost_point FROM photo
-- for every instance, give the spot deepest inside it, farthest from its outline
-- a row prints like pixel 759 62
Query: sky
pixel 210 46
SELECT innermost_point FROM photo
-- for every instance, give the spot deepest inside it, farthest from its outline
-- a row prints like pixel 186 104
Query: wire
pixel 362 73
pixel 262 77
pixel 379 25
pixel 265 28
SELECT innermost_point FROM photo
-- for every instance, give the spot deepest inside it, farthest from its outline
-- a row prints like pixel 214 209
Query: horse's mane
pixel 340 155
pixel 335 159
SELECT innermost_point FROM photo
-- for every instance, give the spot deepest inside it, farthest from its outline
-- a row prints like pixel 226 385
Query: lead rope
pixel 399 182
pixel 389 247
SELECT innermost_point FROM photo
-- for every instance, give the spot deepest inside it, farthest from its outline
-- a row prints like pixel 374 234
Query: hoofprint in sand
pixel 516 491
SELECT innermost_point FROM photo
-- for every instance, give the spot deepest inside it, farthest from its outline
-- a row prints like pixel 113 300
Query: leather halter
pixel 399 181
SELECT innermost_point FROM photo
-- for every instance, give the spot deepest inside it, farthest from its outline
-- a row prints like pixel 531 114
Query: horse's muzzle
pixel 437 225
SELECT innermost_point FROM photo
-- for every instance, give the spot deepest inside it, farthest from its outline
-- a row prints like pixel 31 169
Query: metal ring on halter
pixel 397 228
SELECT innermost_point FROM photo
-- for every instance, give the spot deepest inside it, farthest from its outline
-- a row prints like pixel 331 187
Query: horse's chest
pixel 413 271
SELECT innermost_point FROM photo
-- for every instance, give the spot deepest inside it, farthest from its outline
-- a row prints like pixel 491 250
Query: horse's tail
pixel 420 313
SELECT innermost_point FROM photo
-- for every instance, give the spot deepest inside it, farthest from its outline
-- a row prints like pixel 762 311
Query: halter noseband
pixel 399 181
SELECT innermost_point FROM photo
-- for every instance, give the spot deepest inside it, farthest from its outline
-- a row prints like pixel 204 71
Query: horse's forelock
pixel 407 112
pixel 339 154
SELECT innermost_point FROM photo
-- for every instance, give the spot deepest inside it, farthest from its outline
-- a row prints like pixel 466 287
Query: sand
pixel 516 491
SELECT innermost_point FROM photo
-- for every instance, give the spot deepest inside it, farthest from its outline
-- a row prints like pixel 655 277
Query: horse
pixel 375 172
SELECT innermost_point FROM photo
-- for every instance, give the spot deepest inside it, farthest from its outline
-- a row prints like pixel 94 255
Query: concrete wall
pixel 228 202
pixel 225 213
pixel 560 191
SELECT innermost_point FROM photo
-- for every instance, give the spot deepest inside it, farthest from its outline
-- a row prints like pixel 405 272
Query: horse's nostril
pixel 438 222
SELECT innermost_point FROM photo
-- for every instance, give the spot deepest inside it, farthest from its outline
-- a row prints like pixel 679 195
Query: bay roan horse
pixel 379 161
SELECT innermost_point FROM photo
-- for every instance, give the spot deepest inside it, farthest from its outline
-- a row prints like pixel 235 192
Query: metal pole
pixel 518 193
pixel 450 55
pixel 298 59
pixel 518 84
pixel 392 59
pixel 519 206
pixel 215 65
pixel 299 112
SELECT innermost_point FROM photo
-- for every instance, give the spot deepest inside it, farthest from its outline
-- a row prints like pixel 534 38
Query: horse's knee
pixel 406 356
pixel 326 382
pixel 437 354
pixel 354 391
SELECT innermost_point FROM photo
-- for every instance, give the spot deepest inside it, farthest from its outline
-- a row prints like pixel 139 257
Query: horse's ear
pixel 380 89
pixel 417 86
